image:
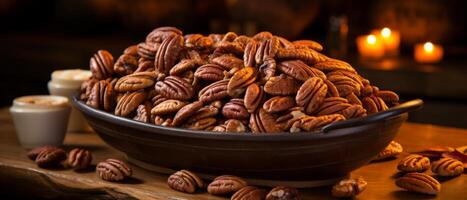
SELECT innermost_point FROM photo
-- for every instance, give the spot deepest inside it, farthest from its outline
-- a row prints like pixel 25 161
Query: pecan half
pixel 310 123
pixel 204 112
pixel 249 54
pixel 333 105
pixel 240 80
pixel 101 65
pixel 388 96
pixel 145 65
pixel 173 87
pixel 278 104
pixel 226 184
pixel 267 69
pixel 147 50
pixel 392 150
pixel 447 167
pixel 299 70
pixel 374 104
pixel 50 157
pixel 309 56
pixel 186 111
pixel 214 91
pixel 210 72
pixel 136 81
pixel 131 50
pixel 228 62
pixel 287 120
pixel 167 107
pixel 162 33
pixel 419 182
pixel 201 124
pixel 129 102
pixel 263 122
pixel 168 53
pixel 283 193
pixel 198 41
pixel 126 64
pixel 308 44
pixel 143 113
pixel 113 170
pixel 101 96
pixel 311 94
pixel 349 187
pixel 253 97
pixel 236 126
pixel 249 192
pixel 185 181
pixel 235 109
pixel 354 111
pixel 184 65
pixel 281 85
pixel 330 65
pixel 414 163
pixel 79 158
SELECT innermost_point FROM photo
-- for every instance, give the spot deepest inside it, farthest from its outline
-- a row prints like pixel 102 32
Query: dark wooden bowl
pixel 333 152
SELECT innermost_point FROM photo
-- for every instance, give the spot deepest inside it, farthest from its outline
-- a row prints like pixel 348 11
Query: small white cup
pixel 40 120
pixel 67 83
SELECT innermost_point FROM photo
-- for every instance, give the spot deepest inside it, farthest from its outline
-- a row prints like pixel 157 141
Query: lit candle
pixel 370 47
pixel 390 39
pixel 428 53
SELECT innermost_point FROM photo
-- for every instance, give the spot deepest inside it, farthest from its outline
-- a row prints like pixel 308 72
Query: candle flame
pixel 371 39
pixel 428 47
pixel 386 32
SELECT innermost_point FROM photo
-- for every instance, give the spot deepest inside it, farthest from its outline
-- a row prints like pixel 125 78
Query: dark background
pixel 38 37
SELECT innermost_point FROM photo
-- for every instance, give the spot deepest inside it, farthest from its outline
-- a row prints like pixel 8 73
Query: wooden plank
pixel 18 174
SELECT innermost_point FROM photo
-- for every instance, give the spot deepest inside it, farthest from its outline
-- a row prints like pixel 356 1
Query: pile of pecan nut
pixel 230 83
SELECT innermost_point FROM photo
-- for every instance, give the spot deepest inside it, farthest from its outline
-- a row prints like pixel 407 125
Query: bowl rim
pixel 246 136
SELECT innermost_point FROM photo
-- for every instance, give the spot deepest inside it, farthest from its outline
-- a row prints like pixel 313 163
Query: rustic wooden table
pixel 21 177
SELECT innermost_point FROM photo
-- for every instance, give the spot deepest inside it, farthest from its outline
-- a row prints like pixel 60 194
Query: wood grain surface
pixel 20 177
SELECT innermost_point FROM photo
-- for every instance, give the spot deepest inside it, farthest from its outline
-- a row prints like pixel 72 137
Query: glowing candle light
pixel 370 47
pixel 428 53
pixel 390 39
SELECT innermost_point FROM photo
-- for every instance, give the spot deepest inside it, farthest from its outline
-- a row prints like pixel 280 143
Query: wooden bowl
pixel 308 157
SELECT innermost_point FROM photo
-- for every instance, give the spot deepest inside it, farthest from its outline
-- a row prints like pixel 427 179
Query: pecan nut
pixel 198 42
pixel 309 56
pixel 310 123
pixel 278 104
pixel 311 94
pixel 346 82
pixel 162 33
pixel 50 157
pixel 283 193
pixel 186 111
pixel 388 96
pixel 79 158
pixel 226 184
pixel 126 64
pixel 374 104
pixel 391 151
pixel 168 53
pixel 185 181
pixel 330 65
pixel 349 187
pixel 129 102
pixel 281 85
pixel 236 126
pixel 113 170
pixel 250 193
pixel 240 80
pixel 210 72
pixel 167 107
pixel 131 50
pixel 235 109
pixel 228 62
pixel 261 121
pixel 419 182
pixel 184 66
pixel 136 81
pixel 447 167
pixel 299 70
pixel 214 91
pixel 414 163
pixel 143 113
pixel 101 96
pixel 101 65
pixel 174 87
pixel 249 54
pixel 201 124
pixel 33 153
pixel 253 97
pixel 308 44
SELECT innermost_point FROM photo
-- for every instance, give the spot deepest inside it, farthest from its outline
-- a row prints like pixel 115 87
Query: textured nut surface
pixel 168 53
pixel 281 85
pixel 79 158
pixel 228 62
pixel 278 104
pixel 50 157
pixel 250 193
pixel 136 81
pixel 308 44
pixel 126 64
pixel 167 107
pixel 101 96
pixel 261 121
pixel 392 150
pixel 129 102
pixel 447 167
pixel 333 65
pixel 185 181
pixel 33 153
pixel 174 87
pixel 419 182
pixel 235 109
pixel 299 70
pixel 186 111
pixel 310 123
pixel 143 113
pixel 414 163
pixel 240 80
pixel 210 72
pixel 101 65
pixel 349 187
pixel 311 94
pixel 233 125
pixel 214 91
pixel 254 95
pixel 226 184
pixel 113 170
pixel 374 104
pixel 283 193
pixel 309 56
